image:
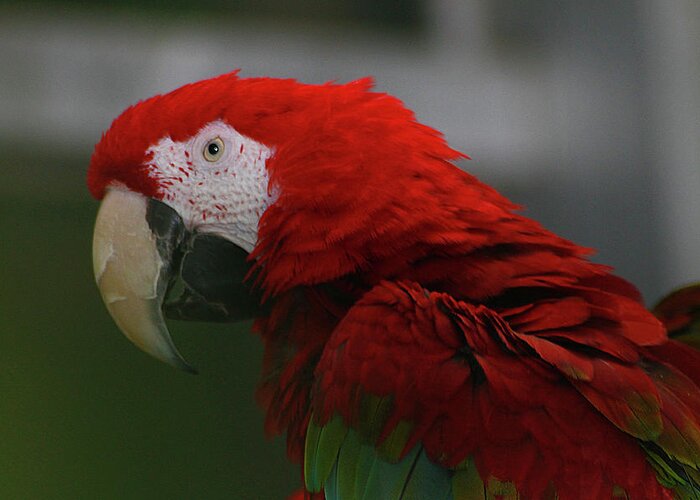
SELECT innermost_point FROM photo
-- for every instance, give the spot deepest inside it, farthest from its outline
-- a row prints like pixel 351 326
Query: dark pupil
pixel 213 149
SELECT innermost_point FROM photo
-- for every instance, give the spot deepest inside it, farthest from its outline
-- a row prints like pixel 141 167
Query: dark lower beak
pixel 210 283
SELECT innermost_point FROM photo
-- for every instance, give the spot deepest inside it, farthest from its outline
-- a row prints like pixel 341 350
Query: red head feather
pixel 362 185
pixel 277 113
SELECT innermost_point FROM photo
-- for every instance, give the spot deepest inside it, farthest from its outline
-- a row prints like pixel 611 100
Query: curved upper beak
pixel 133 251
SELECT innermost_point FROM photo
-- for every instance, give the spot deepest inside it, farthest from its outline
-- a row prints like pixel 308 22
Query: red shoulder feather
pixel 540 412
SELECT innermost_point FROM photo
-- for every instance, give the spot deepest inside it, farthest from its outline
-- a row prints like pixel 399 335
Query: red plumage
pixel 393 273
pixel 476 387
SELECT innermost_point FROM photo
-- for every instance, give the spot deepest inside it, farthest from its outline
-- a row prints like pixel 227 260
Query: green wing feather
pixel 322 447
pixel 350 469
pixel 467 484
pixel 683 479
pixel 353 457
pixel 346 466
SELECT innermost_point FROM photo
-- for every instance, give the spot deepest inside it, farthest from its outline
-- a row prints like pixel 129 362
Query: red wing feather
pixel 473 387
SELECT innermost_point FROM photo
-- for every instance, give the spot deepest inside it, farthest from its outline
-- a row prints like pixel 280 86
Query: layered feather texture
pixel 426 340
pixel 547 417
pixel 554 392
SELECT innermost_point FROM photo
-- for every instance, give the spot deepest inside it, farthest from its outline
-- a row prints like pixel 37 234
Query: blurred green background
pixel 86 415
pixel 585 112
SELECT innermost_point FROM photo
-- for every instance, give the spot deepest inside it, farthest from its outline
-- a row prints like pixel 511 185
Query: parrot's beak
pixel 132 258
pixel 147 264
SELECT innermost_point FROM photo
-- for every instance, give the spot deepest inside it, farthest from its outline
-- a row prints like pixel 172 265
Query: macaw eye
pixel 214 149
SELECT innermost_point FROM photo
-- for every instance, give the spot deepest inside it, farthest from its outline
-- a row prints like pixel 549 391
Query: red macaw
pixel 423 340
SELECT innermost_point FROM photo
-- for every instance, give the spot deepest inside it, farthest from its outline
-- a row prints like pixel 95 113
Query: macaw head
pixel 228 191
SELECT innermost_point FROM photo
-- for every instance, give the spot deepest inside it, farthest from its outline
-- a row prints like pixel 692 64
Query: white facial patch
pixel 220 189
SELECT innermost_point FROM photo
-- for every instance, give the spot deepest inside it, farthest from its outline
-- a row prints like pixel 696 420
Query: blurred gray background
pixel 587 113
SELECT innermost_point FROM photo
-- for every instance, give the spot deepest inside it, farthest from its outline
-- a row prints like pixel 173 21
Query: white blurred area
pixel 586 112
